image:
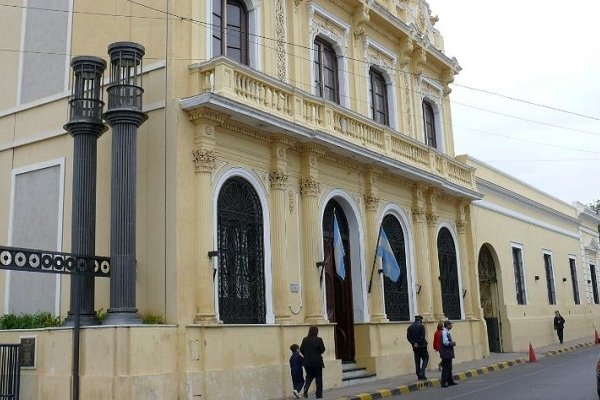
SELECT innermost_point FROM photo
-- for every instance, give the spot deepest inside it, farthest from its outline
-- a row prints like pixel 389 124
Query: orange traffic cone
pixel 596 338
pixel 532 357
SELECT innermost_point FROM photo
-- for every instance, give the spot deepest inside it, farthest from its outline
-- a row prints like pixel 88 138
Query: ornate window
pixel 396 293
pixel 549 279
pixel 429 125
pixel 574 280
pixel 241 277
pixel 519 276
pixel 230 30
pixel 448 274
pixel 326 71
pixel 379 99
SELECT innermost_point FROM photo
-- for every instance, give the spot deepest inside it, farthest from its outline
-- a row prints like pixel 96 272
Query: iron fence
pixel 10 372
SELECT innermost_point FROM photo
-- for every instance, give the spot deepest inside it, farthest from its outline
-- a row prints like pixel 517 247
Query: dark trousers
pixel 315 373
pixel 421 355
pixel 298 380
pixel 446 371
pixel 559 332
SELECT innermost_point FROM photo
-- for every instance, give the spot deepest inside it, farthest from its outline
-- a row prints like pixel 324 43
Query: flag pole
pixel 375 258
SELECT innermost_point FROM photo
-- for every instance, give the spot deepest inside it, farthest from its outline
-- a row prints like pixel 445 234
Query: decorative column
pixel 279 178
pixel 377 299
pixel 467 274
pixel 312 238
pixel 86 126
pixel 434 262
pixel 124 115
pixel 423 278
pixel 205 162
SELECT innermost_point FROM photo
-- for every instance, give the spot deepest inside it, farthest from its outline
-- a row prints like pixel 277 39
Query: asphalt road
pixel 570 376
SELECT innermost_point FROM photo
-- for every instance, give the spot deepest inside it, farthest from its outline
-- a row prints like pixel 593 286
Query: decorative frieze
pixel 281 35
pixel 204 160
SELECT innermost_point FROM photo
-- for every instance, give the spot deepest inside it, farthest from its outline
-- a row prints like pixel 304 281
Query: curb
pixel 568 349
pixel 382 393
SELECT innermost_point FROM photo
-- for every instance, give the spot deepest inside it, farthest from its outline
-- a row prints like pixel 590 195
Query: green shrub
pixel 28 321
pixel 152 319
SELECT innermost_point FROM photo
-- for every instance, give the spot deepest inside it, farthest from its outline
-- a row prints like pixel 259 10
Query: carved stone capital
pixel 278 179
pixel 309 187
pixel 418 214
pixel 432 219
pixel 371 202
pixel 461 226
pixel 205 160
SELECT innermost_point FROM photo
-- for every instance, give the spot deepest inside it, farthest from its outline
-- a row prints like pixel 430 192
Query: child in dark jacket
pixel 296 370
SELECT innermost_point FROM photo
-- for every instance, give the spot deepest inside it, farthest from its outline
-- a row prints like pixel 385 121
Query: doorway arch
pixel 489 298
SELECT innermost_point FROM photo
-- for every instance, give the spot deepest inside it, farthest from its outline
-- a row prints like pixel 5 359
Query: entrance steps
pixel 352 374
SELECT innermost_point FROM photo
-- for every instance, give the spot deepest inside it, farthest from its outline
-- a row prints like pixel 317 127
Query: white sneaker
pixel 296 394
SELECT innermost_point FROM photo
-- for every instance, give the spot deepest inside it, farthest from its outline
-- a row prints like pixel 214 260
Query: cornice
pixel 307 136
pixel 525 218
pixel 483 185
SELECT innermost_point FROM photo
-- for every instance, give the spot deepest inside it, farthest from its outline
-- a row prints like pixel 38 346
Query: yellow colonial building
pixel 536 255
pixel 268 120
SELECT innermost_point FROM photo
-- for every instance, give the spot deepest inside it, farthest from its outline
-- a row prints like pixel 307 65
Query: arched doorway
pixel 396 293
pixel 241 277
pixel 339 291
pixel 488 289
pixel 448 275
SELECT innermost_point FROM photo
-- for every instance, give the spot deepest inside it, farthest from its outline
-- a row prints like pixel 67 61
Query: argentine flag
pixel 388 260
pixel 338 250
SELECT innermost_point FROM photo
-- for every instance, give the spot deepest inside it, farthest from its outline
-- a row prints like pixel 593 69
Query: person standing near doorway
pixel 447 354
pixel 559 325
pixel 415 334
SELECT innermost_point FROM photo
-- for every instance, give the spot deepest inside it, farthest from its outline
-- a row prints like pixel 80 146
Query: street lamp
pixel 124 115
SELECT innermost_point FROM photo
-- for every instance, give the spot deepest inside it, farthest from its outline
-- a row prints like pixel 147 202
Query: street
pixel 569 376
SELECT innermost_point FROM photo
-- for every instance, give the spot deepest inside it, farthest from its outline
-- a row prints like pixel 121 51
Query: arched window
pixel 448 274
pixel 379 99
pixel 396 293
pixel 429 125
pixel 230 30
pixel 241 277
pixel 326 71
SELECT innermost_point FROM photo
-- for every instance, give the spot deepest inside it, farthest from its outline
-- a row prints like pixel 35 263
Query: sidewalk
pixel 408 383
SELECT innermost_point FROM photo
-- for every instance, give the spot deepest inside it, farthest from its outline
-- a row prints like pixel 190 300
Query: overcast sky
pixel 541 51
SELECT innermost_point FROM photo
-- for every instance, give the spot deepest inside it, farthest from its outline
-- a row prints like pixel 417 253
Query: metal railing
pixel 10 371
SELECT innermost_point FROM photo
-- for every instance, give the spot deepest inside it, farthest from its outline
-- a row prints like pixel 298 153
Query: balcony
pixel 258 100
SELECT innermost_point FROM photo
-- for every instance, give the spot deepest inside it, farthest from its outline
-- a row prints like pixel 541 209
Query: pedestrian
pixel 416 337
pixel 296 370
pixel 437 341
pixel 447 354
pixel 559 325
pixel 312 348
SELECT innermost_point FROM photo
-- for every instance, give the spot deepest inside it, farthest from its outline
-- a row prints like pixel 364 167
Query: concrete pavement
pixel 408 383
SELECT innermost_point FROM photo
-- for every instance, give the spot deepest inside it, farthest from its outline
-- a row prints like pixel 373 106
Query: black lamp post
pixel 124 115
pixel 85 125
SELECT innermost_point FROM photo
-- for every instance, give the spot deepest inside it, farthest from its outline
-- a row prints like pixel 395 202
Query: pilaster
pixel 312 238
pixel 204 158
pixel 468 274
pixel 420 239
pixel 278 178
pixel 434 263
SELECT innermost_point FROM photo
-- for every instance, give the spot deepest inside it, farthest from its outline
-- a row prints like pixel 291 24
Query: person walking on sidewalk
pixel 296 361
pixel 437 341
pixel 447 354
pixel 559 325
pixel 312 348
pixel 416 337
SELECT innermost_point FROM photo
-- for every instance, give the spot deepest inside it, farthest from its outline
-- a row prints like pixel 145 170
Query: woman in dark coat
pixel 312 348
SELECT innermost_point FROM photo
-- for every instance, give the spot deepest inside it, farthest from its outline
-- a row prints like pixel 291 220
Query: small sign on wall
pixel 27 352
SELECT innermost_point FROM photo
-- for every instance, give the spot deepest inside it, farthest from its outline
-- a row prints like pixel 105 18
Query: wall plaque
pixel 27 352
